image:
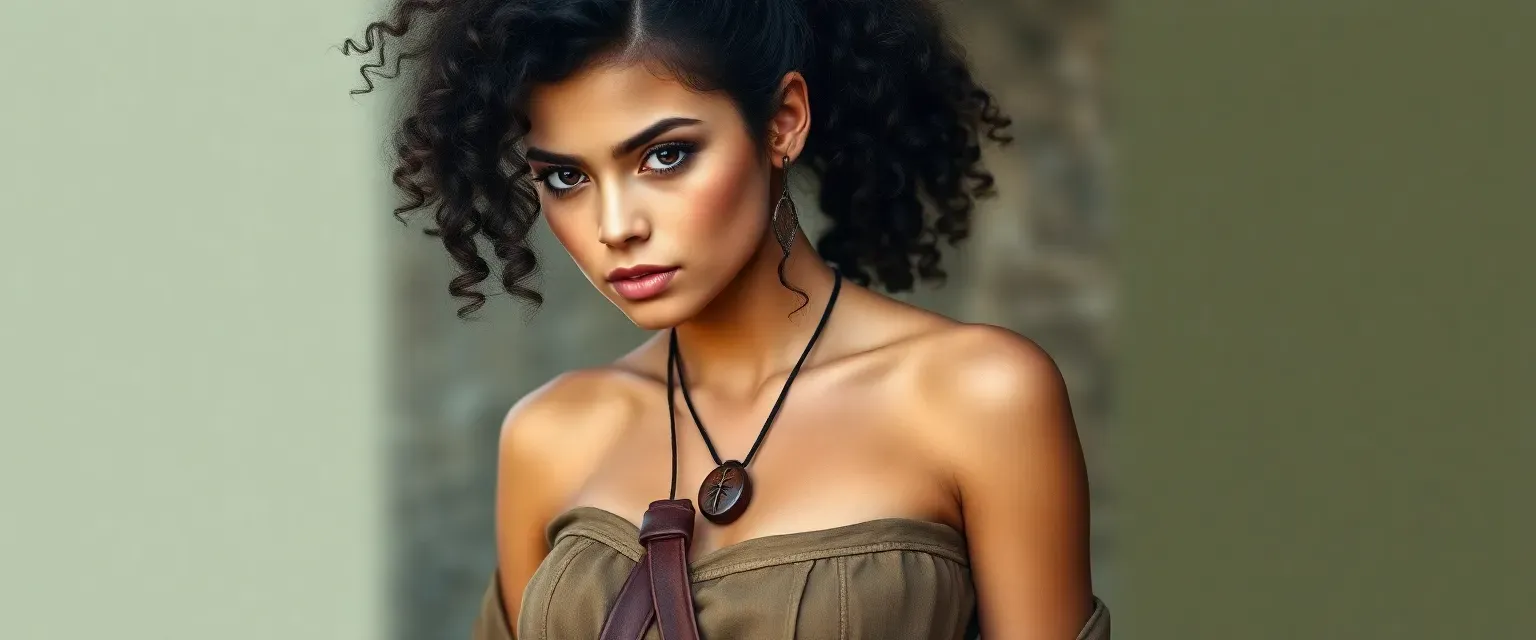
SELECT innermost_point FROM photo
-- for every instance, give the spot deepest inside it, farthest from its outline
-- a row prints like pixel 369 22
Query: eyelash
pixel 686 148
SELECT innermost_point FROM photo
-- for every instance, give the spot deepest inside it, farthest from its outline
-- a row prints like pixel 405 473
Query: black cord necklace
pixel 726 491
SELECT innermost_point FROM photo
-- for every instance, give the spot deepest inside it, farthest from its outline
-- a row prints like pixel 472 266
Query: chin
pixel 663 312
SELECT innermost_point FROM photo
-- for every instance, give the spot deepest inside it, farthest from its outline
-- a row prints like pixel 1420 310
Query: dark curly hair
pixel 896 118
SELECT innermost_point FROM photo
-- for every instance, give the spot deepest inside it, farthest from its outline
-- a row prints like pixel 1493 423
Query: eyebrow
pixel 622 149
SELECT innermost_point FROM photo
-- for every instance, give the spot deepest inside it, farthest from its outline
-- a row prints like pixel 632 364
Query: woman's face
pixel 657 191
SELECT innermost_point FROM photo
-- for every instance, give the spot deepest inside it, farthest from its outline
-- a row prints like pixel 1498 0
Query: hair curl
pixel 896 118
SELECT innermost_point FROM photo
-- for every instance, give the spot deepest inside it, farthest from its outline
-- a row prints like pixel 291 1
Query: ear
pixel 791 121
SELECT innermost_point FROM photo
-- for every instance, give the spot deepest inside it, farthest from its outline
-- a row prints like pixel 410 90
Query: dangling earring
pixel 785 223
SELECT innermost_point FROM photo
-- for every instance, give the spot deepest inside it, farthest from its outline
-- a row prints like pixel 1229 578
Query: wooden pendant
pixel 725 493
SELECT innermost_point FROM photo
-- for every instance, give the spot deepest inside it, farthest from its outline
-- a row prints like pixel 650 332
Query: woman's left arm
pixel 1022 485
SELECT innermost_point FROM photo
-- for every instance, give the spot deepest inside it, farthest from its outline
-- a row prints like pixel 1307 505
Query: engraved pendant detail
pixel 725 493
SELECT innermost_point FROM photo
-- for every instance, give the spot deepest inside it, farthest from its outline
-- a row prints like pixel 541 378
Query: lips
pixel 641 282
pixel 639 270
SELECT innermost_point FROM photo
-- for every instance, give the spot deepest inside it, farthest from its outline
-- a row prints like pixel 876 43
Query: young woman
pixel 791 455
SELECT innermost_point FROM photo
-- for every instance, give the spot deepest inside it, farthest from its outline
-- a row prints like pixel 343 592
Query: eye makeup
pixel 662 159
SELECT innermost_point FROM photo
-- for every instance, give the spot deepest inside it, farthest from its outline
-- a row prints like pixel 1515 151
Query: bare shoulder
pixel 956 375
pixel 549 442
pixel 564 404
pixel 994 407
pixel 549 433
pixel 979 386
pixel 987 364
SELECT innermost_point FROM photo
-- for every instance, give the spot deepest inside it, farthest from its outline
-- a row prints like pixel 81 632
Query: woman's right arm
pixel 520 515
pixel 545 451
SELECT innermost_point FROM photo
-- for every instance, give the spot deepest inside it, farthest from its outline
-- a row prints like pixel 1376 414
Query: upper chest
pixel 842 449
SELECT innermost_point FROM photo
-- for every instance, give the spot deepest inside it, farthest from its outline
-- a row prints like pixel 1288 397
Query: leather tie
pixel 658 589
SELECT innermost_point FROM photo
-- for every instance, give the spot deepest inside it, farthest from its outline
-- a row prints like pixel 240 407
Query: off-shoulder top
pixel 881 579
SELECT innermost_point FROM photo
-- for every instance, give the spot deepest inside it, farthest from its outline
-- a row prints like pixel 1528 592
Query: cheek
pixel 577 236
pixel 560 227
pixel 722 209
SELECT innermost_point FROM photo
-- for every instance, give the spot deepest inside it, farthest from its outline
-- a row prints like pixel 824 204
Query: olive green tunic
pixel 883 579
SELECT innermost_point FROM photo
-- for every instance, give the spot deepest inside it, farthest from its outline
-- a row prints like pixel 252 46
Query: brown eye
pixel 562 179
pixel 666 158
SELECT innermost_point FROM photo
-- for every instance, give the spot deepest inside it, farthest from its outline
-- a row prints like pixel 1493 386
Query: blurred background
pixel 1292 305
pixel 1038 262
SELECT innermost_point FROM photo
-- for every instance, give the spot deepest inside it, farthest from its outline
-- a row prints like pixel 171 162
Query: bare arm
pixel 520 514
pixel 1019 469
pixel 539 463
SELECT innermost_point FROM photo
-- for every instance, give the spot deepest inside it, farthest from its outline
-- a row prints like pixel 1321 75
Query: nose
pixel 621 221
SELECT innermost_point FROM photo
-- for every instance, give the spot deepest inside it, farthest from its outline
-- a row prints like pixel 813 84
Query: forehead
pixel 605 103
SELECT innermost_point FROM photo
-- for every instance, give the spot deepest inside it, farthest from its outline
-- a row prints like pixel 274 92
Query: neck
pixel 747 334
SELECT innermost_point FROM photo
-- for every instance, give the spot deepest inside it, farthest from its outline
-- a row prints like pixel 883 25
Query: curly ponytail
pixel 896 122
pixel 897 119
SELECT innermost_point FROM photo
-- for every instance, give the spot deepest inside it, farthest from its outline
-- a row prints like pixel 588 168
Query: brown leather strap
pixel 632 613
pixel 666 531
pixel 658 588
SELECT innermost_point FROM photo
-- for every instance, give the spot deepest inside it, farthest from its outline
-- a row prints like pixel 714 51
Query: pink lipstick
pixel 641 281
